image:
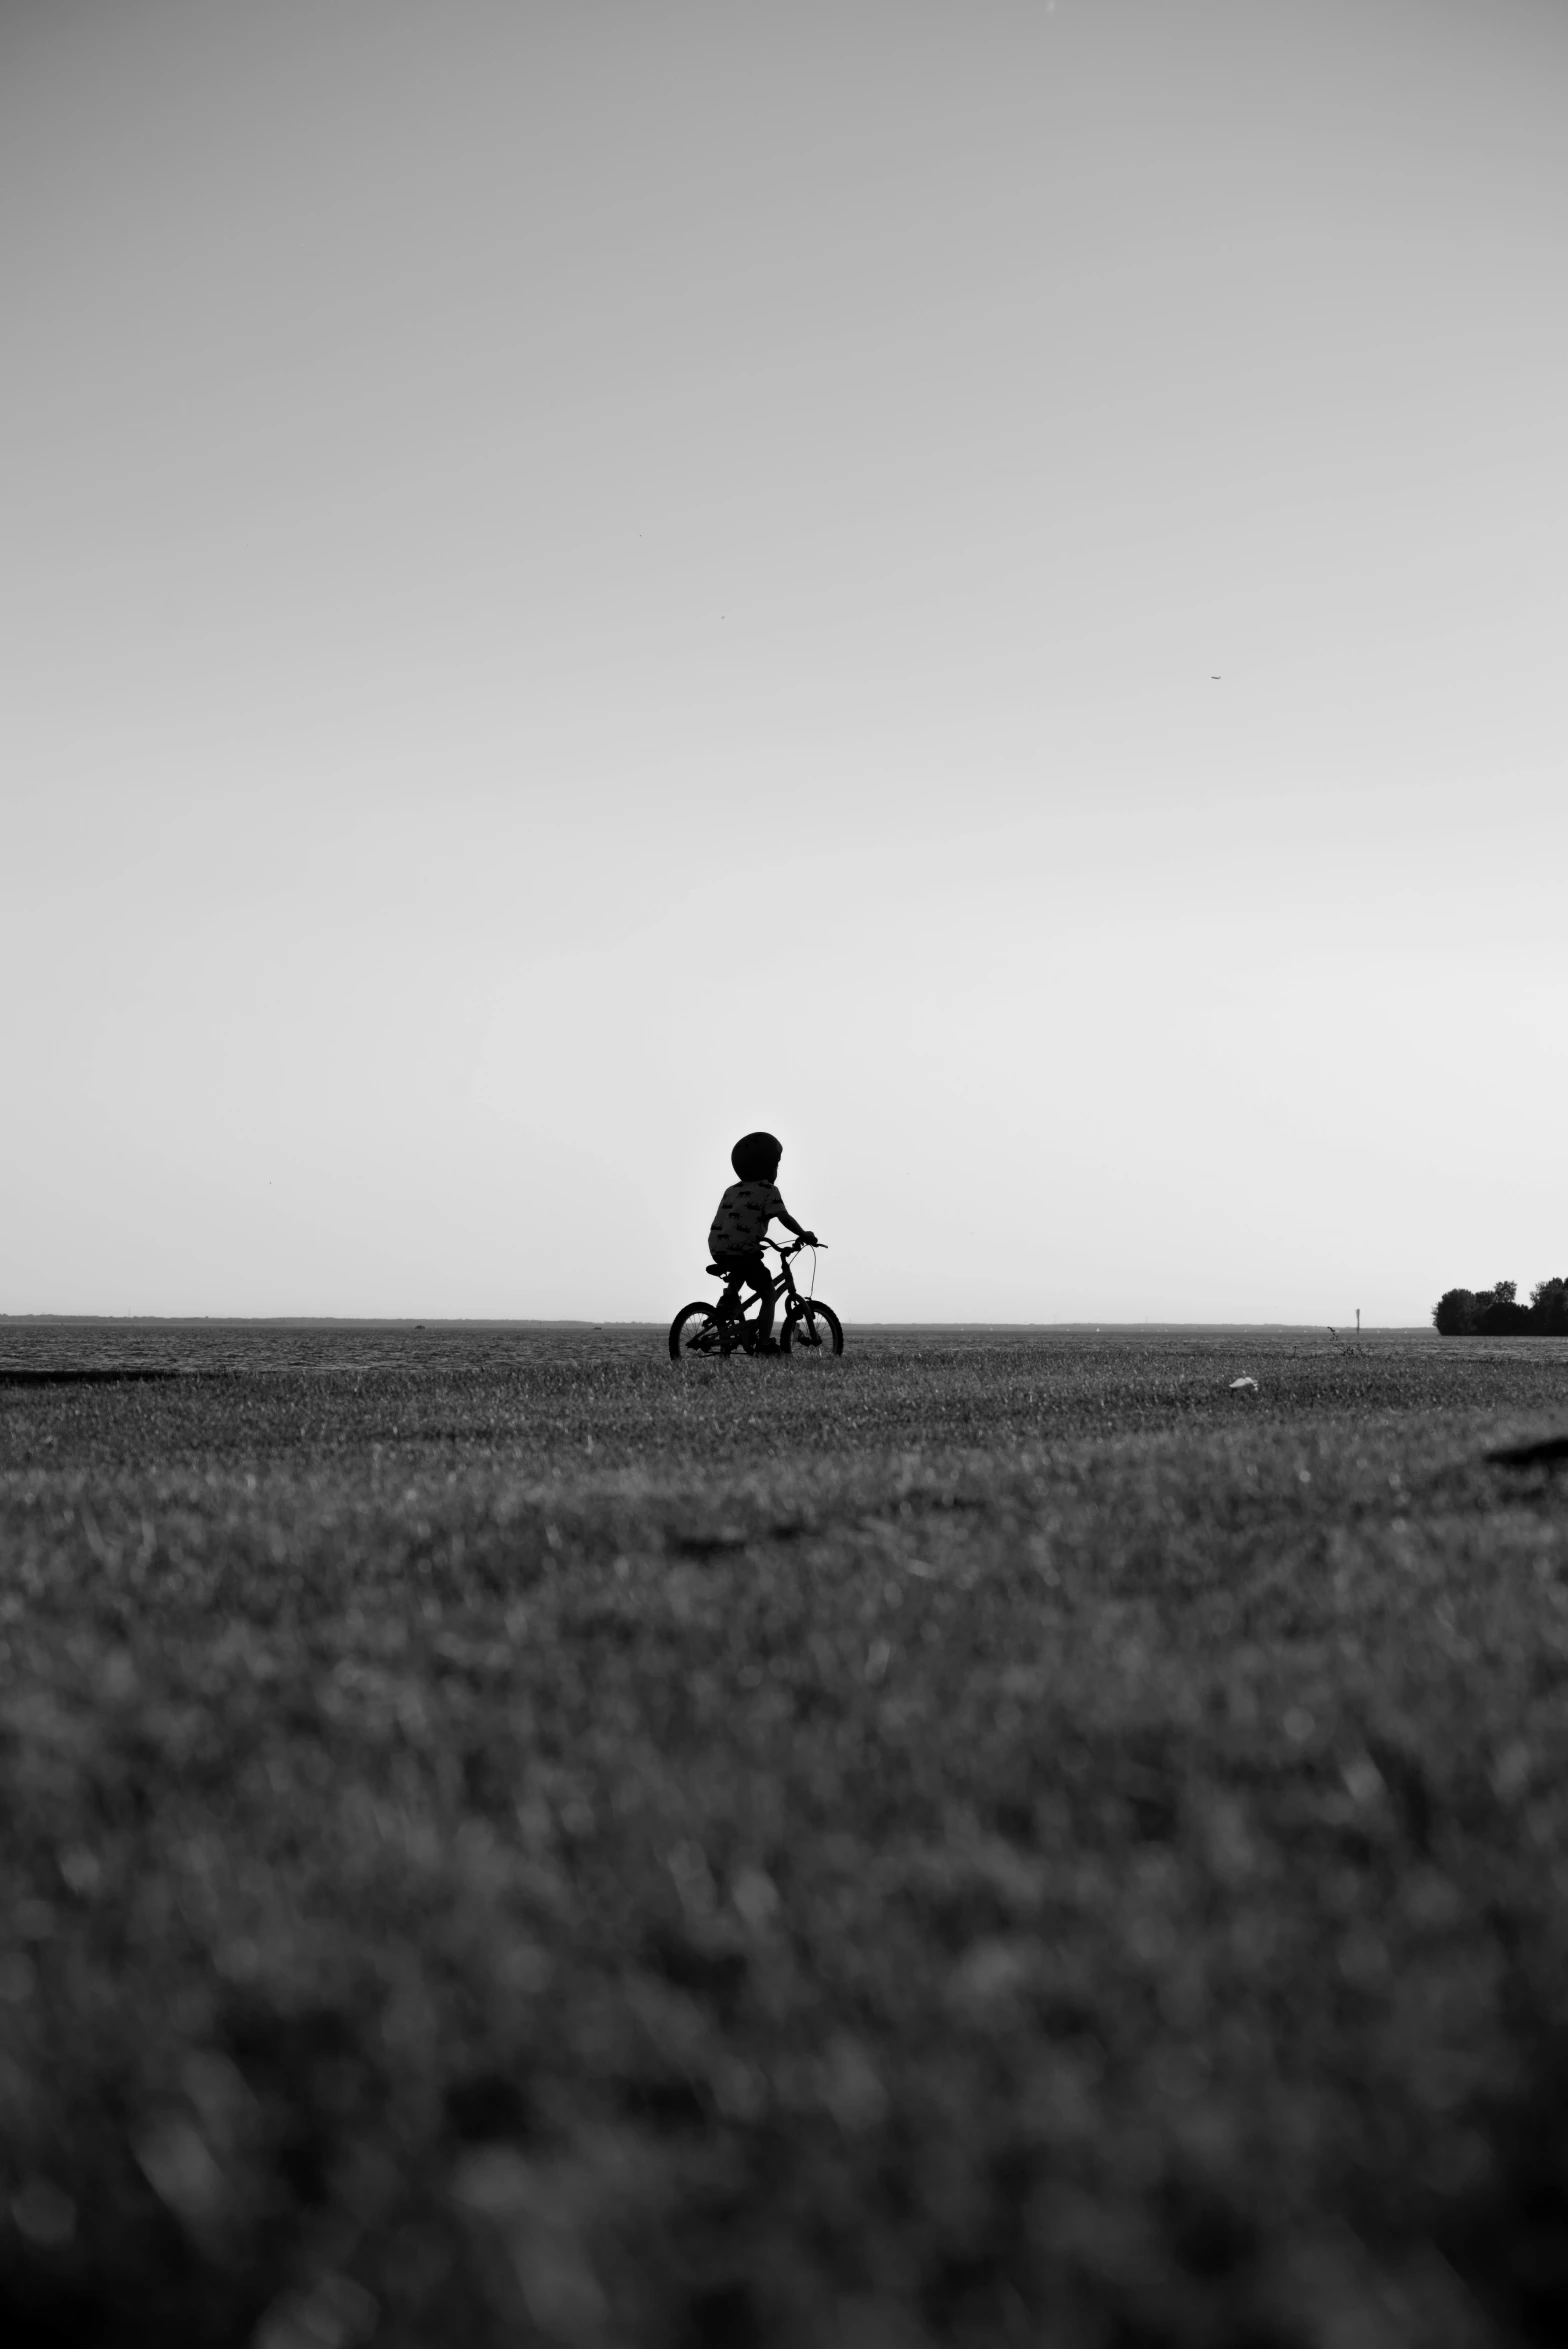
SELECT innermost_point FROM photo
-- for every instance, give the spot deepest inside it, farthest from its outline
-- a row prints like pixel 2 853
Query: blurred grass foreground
pixel 999 1839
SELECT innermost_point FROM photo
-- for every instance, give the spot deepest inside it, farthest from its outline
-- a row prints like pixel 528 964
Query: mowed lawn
pixel 999 1839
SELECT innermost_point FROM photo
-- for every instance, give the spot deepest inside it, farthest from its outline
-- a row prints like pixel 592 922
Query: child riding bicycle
pixel 741 1225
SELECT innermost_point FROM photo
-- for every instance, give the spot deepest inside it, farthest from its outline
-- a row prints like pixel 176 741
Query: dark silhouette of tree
pixel 1497 1313
pixel 1549 1308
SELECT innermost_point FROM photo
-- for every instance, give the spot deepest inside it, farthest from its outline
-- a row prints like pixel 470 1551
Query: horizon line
pixel 411 1321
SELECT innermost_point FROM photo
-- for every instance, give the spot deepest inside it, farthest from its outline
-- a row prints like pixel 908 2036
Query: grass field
pixel 1000 1839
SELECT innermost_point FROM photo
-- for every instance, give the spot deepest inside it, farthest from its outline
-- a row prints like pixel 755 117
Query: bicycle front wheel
pixel 696 1331
pixel 812 1331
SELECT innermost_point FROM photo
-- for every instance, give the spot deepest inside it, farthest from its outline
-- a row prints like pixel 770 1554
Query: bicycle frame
pixel 807 1325
pixel 730 1307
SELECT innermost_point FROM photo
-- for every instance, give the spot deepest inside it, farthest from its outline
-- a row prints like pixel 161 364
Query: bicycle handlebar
pixel 794 1247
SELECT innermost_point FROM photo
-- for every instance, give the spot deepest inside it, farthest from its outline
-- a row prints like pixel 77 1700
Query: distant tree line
pixel 1497 1313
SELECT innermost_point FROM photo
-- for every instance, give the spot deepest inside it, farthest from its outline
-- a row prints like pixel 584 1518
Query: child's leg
pixel 760 1281
pixel 750 1272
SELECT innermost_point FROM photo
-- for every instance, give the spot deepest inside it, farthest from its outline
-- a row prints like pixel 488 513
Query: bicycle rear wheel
pixel 812 1331
pixel 696 1330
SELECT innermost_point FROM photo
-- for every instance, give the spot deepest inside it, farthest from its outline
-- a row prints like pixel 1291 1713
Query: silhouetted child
pixel 741 1224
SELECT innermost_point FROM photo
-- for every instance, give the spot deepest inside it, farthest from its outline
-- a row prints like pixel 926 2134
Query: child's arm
pixel 782 1215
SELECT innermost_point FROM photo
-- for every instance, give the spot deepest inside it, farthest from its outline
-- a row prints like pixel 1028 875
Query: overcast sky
pixel 980 585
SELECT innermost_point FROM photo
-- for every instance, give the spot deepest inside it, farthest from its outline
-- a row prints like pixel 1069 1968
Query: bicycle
pixel 811 1331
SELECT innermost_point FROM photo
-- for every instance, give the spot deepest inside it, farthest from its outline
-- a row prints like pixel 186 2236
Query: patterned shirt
pixel 743 1217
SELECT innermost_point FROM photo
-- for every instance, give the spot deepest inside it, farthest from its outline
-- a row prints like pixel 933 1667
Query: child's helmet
pixel 755 1157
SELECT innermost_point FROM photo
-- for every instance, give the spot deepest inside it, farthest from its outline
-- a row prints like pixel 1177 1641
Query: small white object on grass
pixel 1243 1382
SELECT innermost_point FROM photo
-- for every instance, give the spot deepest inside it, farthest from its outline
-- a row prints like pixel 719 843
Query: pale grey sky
pixel 578 578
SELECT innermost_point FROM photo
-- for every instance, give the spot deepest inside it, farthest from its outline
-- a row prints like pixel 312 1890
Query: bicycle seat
pixel 718 1270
